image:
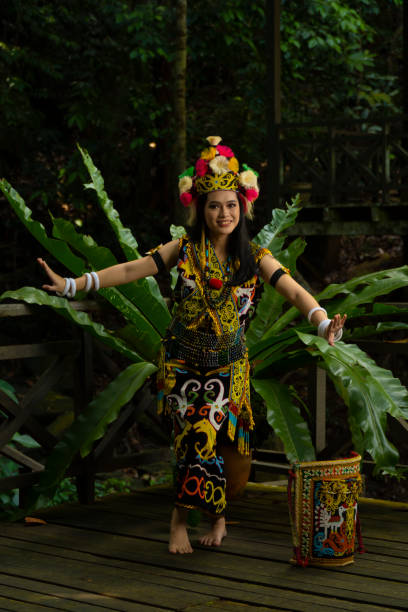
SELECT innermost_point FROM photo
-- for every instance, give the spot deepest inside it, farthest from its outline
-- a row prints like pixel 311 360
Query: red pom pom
pixel 201 167
pixel 226 151
pixel 252 194
pixel 215 283
pixel 186 198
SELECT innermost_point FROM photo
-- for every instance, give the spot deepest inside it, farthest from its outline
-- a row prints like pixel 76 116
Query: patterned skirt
pixel 202 410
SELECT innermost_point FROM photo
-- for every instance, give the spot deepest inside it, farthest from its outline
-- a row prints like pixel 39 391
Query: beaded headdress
pixel 218 169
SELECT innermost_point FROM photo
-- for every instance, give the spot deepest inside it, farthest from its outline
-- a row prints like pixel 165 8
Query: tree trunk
pixel 179 75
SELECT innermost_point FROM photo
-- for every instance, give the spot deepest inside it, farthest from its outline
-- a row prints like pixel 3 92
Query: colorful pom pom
pixel 208 153
pixel 219 165
pixel 201 167
pixel 185 184
pixel 251 194
pixel 223 150
pixel 214 140
pixel 186 198
pixel 233 164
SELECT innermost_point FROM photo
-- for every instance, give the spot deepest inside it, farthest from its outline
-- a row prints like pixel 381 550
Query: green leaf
pixel 99 257
pixel 31 295
pixel 140 340
pixel 58 248
pixel 268 237
pixel 125 237
pixel 371 286
pixel 89 426
pixel 177 232
pixel 104 409
pixel 134 300
pixel 271 302
pixel 25 440
pixel 188 172
pixel 8 389
pixel 281 362
pixel 364 289
pixel 285 419
pixel 370 392
pixel 147 288
pixel 372 330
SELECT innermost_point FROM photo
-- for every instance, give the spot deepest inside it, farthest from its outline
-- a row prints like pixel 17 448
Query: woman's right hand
pixel 57 282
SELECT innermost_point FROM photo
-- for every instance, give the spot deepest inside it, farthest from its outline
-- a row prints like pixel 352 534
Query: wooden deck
pixel 113 556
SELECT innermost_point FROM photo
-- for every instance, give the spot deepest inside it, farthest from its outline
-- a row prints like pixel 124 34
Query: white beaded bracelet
pixel 64 292
pixel 321 328
pixel 72 288
pixel 88 282
pixel 323 325
pixel 315 309
pixel 96 280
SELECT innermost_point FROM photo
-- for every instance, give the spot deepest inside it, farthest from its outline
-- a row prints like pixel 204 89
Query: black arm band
pixel 276 276
pixel 158 260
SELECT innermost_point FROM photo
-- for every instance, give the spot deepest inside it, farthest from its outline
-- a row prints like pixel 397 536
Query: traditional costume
pixel 203 379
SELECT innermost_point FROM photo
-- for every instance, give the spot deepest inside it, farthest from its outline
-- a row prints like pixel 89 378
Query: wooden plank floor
pixel 113 556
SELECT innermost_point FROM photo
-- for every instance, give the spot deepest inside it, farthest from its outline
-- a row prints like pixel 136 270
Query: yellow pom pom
pixel 214 140
pixel 208 153
pixel 233 164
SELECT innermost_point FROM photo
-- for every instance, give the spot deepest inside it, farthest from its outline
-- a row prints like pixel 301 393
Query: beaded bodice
pixel 215 311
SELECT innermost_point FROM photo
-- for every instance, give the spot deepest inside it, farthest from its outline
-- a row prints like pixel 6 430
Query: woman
pixel 203 378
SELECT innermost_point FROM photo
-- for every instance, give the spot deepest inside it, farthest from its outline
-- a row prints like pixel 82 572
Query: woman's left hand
pixel 336 324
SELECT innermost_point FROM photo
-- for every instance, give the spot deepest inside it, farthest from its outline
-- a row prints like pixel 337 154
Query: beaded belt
pixel 202 349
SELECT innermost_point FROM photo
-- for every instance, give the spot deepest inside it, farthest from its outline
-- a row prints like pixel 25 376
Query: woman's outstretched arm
pixel 300 298
pixel 119 274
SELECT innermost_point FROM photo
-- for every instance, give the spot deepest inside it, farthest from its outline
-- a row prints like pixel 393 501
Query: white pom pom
pixel 214 140
pixel 185 184
pixel 219 165
pixel 248 179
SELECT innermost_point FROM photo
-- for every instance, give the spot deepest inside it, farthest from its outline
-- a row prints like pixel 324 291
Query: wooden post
pixel 317 405
pixel 385 161
pixel 273 109
pixel 85 481
pixel 179 100
pixel 404 88
pixel 404 75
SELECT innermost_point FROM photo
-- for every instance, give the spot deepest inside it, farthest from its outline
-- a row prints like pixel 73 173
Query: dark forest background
pixel 102 74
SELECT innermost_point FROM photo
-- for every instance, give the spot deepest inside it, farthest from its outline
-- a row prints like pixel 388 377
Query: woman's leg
pixel 216 534
pixel 179 541
pixel 200 481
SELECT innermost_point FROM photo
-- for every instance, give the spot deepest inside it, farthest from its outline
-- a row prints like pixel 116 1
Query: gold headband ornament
pixel 218 169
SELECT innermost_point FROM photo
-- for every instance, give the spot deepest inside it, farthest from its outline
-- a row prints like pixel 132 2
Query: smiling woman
pixel 203 374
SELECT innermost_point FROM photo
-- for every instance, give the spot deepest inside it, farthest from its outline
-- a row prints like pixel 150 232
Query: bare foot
pixel 179 542
pixel 215 536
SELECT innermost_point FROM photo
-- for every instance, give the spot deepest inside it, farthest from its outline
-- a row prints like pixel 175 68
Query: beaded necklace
pixel 216 291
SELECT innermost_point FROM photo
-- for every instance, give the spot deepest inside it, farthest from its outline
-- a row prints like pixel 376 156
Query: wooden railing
pixel 73 353
pixel 352 175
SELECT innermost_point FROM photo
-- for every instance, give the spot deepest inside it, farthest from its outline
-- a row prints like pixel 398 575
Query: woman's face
pixel 221 212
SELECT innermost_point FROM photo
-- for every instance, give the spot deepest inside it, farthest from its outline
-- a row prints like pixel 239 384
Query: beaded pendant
pixel 213 283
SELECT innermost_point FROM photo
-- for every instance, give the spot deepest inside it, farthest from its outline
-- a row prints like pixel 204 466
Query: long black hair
pixel 238 243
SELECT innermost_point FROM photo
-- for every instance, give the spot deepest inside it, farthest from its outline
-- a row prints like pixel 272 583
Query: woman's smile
pixel 221 212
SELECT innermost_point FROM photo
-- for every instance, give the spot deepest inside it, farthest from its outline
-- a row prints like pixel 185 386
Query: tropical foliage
pixel 275 345
pixel 101 73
